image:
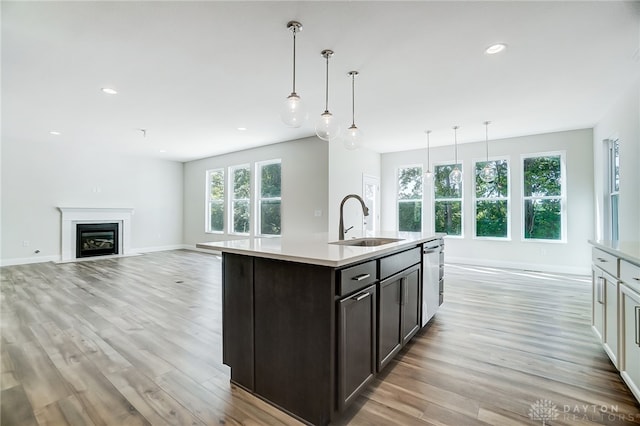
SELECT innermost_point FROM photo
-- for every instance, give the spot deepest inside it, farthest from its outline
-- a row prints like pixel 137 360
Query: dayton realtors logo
pixel 544 410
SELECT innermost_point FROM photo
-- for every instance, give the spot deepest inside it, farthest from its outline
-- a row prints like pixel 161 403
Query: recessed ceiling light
pixel 54 133
pixel 109 91
pixel 495 48
pixel 242 129
pixel 163 150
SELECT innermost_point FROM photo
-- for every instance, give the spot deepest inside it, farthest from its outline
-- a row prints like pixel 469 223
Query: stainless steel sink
pixel 367 242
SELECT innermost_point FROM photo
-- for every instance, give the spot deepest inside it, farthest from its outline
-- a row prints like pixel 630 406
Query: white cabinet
pixel 605 287
pixel 630 326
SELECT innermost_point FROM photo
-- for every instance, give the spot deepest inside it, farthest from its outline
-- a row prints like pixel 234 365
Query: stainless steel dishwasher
pixel 432 252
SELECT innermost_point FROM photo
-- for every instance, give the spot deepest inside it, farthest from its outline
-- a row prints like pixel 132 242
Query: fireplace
pixel 96 239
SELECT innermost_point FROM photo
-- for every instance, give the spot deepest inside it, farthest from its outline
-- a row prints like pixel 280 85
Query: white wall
pixel 572 256
pixel 346 170
pixel 304 187
pixel 621 122
pixel 37 178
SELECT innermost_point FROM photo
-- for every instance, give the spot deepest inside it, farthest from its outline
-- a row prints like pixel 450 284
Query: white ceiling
pixel 190 73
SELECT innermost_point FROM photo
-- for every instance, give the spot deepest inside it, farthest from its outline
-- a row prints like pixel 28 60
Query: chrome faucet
pixel 365 211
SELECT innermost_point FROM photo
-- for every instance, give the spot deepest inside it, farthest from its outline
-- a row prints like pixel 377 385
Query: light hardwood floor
pixel 136 340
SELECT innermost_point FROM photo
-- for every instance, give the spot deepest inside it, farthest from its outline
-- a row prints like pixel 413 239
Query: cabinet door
pixel 389 335
pixel 410 304
pixel 356 344
pixel 611 317
pixel 597 303
pixel 631 338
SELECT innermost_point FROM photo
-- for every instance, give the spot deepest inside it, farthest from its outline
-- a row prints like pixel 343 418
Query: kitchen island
pixel 308 323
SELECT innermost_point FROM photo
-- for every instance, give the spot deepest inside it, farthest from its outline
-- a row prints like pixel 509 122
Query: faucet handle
pixel 347 230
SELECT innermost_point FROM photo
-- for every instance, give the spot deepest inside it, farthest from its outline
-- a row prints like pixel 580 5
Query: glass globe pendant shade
pixel 428 175
pixel 327 126
pixel 293 112
pixel 455 176
pixel 489 173
pixel 353 138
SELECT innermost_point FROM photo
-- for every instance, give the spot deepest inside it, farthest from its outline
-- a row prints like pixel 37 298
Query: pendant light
pixel 327 126
pixel 428 175
pixel 455 177
pixel 293 113
pixel 353 137
pixel 489 172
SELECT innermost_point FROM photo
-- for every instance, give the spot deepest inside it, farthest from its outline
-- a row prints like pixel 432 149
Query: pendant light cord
pixel 294 59
pixel 455 141
pixel 428 153
pixel 326 93
pixel 353 100
pixel 486 137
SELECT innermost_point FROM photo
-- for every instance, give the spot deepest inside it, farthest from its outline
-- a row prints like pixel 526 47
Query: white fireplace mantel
pixel 71 216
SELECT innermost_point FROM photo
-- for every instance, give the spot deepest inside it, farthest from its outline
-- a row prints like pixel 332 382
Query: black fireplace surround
pixel 96 239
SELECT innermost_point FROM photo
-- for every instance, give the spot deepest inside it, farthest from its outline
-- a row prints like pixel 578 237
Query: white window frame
pixel 421 199
pixel 259 199
pixel 461 199
pixel 613 217
pixel 477 199
pixel 562 197
pixel 233 200
pixel 207 215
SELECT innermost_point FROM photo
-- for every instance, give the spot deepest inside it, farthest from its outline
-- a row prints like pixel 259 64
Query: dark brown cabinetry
pixel 356 343
pixel 309 338
pixel 399 313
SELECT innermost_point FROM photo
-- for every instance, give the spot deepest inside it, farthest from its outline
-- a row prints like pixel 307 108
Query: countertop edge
pixel 621 253
pixel 380 250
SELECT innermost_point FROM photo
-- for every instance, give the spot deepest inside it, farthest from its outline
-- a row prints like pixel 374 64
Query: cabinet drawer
pixel 399 262
pixel 605 261
pixel 356 277
pixel 630 274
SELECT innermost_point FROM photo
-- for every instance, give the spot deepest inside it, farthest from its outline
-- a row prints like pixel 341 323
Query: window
pixel 543 201
pixel 410 199
pixel 269 197
pixel 613 185
pixel 240 198
pixel 215 200
pixel 448 201
pixel 492 201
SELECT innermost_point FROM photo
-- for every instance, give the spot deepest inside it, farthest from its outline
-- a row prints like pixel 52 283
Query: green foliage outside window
pixel 410 199
pixel 492 205
pixel 448 201
pixel 241 193
pixel 543 197
pixel 216 200
pixel 270 199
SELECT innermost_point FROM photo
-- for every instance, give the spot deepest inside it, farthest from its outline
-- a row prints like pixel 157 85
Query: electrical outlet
pixel 25 243
pixel 317 213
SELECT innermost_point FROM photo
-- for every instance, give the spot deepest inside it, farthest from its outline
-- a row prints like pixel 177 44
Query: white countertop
pixel 316 248
pixel 627 250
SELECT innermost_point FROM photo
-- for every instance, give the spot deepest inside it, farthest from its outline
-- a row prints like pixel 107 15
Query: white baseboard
pixel 194 248
pixel 27 260
pixel 157 248
pixel 496 263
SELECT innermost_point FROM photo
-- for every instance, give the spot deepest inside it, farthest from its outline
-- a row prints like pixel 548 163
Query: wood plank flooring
pixel 137 340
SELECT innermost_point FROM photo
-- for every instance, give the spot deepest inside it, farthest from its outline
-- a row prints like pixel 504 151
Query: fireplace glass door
pixel 96 239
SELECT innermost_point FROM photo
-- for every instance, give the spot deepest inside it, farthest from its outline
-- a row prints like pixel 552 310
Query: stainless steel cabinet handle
pixel 600 259
pixel 360 297
pixel 361 277
pixel 638 325
pixel 600 290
